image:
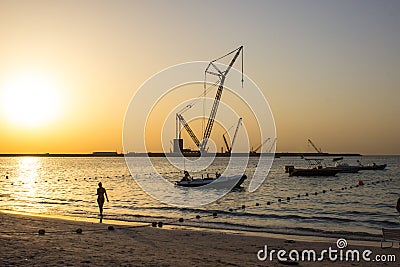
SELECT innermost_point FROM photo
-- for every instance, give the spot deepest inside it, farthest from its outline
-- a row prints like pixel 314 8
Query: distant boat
pixel 313 172
pixel 219 181
pixel 373 166
pixel 315 169
pixel 345 168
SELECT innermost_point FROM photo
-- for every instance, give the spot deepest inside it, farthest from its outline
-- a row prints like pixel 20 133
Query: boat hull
pixel 313 172
pixel 373 167
pixel 345 169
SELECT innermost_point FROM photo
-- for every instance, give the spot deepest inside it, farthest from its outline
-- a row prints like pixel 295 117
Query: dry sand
pixel 21 245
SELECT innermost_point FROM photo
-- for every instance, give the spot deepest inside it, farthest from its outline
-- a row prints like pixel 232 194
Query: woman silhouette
pixel 101 191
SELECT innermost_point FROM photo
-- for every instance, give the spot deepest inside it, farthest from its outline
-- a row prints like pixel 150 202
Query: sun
pixel 30 99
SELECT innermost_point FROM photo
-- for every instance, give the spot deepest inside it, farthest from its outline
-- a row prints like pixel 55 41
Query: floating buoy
pixel 243 207
pixel 316 193
pixel 268 203
pixel 79 231
pixel 198 217
pixel 288 198
pixel 160 224
pixel 110 228
pixel 306 194
pixel 330 189
pixel 257 204
pixel 323 191
pixel 6 176
pixel 215 214
pixel 180 220
pixel 230 209
pixel 42 232
pixel 154 224
pixel 298 195
pixel 279 200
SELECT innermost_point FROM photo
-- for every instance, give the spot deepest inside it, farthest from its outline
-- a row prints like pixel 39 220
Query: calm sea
pixel 334 207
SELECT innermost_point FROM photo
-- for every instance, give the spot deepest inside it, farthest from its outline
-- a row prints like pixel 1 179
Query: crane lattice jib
pixel 266 140
pixel 226 143
pixel 314 146
pixel 188 129
pixel 236 131
pixel 210 123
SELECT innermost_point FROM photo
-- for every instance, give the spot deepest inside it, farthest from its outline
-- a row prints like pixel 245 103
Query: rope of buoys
pixel 324 191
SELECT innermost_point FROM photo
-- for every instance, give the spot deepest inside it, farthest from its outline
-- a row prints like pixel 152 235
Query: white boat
pixel 235 180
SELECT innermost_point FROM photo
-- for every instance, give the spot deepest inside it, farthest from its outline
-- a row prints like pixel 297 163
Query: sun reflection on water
pixel 27 179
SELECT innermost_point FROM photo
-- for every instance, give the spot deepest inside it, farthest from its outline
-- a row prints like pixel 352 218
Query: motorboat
pixel 315 169
pixel 371 166
pixel 343 167
pixel 188 181
pixel 323 171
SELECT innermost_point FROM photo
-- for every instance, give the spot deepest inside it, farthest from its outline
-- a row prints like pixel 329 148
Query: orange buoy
pixel 360 182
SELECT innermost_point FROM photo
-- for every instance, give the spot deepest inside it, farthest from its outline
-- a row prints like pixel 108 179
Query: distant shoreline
pixel 189 154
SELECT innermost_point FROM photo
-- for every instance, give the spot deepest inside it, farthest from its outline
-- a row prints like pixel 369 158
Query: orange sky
pixel 330 70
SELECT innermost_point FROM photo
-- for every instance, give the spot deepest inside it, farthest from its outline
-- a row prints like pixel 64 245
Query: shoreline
pixel 361 240
pixel 138 245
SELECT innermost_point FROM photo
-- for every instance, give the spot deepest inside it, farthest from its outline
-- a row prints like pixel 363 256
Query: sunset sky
pixel 329 69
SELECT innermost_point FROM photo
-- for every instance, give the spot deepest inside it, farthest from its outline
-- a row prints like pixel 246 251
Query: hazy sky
pixel 329 69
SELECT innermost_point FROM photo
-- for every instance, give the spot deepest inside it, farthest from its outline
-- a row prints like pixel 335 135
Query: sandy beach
pixel 144 246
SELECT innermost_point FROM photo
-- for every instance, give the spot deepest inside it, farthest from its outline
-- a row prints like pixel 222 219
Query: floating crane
pixel 314 146
pixel 211 69
pixel 229 148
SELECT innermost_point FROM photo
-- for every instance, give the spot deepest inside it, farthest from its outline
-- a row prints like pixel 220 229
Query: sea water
pixel 317 206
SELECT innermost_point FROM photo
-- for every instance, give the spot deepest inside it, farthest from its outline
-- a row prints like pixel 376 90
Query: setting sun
pixel 30 99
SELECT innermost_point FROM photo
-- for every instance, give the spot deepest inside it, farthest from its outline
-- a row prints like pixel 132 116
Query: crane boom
pixel 314 146
pixel 226 143
pixel 188 129
pixel 236 131
pixel 266 140
pixel 222 75
pixel 272 146
pixel 229 148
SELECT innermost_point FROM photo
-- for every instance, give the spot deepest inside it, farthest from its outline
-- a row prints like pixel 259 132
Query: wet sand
pixel 145 246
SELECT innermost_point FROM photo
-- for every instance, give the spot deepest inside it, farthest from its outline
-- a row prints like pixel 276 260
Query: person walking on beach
pixel 101 191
